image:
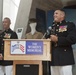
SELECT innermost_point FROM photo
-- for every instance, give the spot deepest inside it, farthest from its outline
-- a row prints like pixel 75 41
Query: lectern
pixel 27 51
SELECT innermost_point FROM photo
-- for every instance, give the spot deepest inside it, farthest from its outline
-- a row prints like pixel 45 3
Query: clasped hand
pixel 54 38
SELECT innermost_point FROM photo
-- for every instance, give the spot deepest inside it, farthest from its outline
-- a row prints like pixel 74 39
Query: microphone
pixel 47 33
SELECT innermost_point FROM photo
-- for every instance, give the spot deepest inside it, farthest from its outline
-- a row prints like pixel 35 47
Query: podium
pixel 41 52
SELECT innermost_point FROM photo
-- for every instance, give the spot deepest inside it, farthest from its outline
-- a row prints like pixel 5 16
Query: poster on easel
pixel 19 32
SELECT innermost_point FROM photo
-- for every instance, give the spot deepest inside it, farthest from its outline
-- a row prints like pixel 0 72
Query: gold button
pixel 56 34
pixel 56 29
pixel 57 25
pixel 65 50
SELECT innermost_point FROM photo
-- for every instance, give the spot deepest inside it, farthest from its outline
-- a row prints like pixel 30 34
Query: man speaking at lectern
pixel 5 65
pixel 63 36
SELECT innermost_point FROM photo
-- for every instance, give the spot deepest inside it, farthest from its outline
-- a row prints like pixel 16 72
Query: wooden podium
pixel 27 58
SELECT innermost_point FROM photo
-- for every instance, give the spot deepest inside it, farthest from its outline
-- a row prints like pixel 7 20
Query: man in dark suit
pixel 5 65
pixel 63 36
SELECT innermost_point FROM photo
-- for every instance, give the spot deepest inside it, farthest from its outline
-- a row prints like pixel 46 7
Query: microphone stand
pixel 43 36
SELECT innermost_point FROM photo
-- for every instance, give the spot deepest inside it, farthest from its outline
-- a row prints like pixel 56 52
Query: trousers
pixel 6 70
pixel 61 70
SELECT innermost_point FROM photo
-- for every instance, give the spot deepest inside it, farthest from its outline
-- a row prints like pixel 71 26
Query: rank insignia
pixel 62 28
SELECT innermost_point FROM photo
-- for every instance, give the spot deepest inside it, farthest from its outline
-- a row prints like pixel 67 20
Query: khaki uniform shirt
pixel 36 35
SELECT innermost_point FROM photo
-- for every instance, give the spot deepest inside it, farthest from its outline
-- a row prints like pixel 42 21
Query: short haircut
pixel 32 20
pixel 62 10
pixel 8 19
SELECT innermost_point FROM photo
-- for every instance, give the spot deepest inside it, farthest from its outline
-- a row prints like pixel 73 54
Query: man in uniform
pixel 5 65
pixel 63 36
